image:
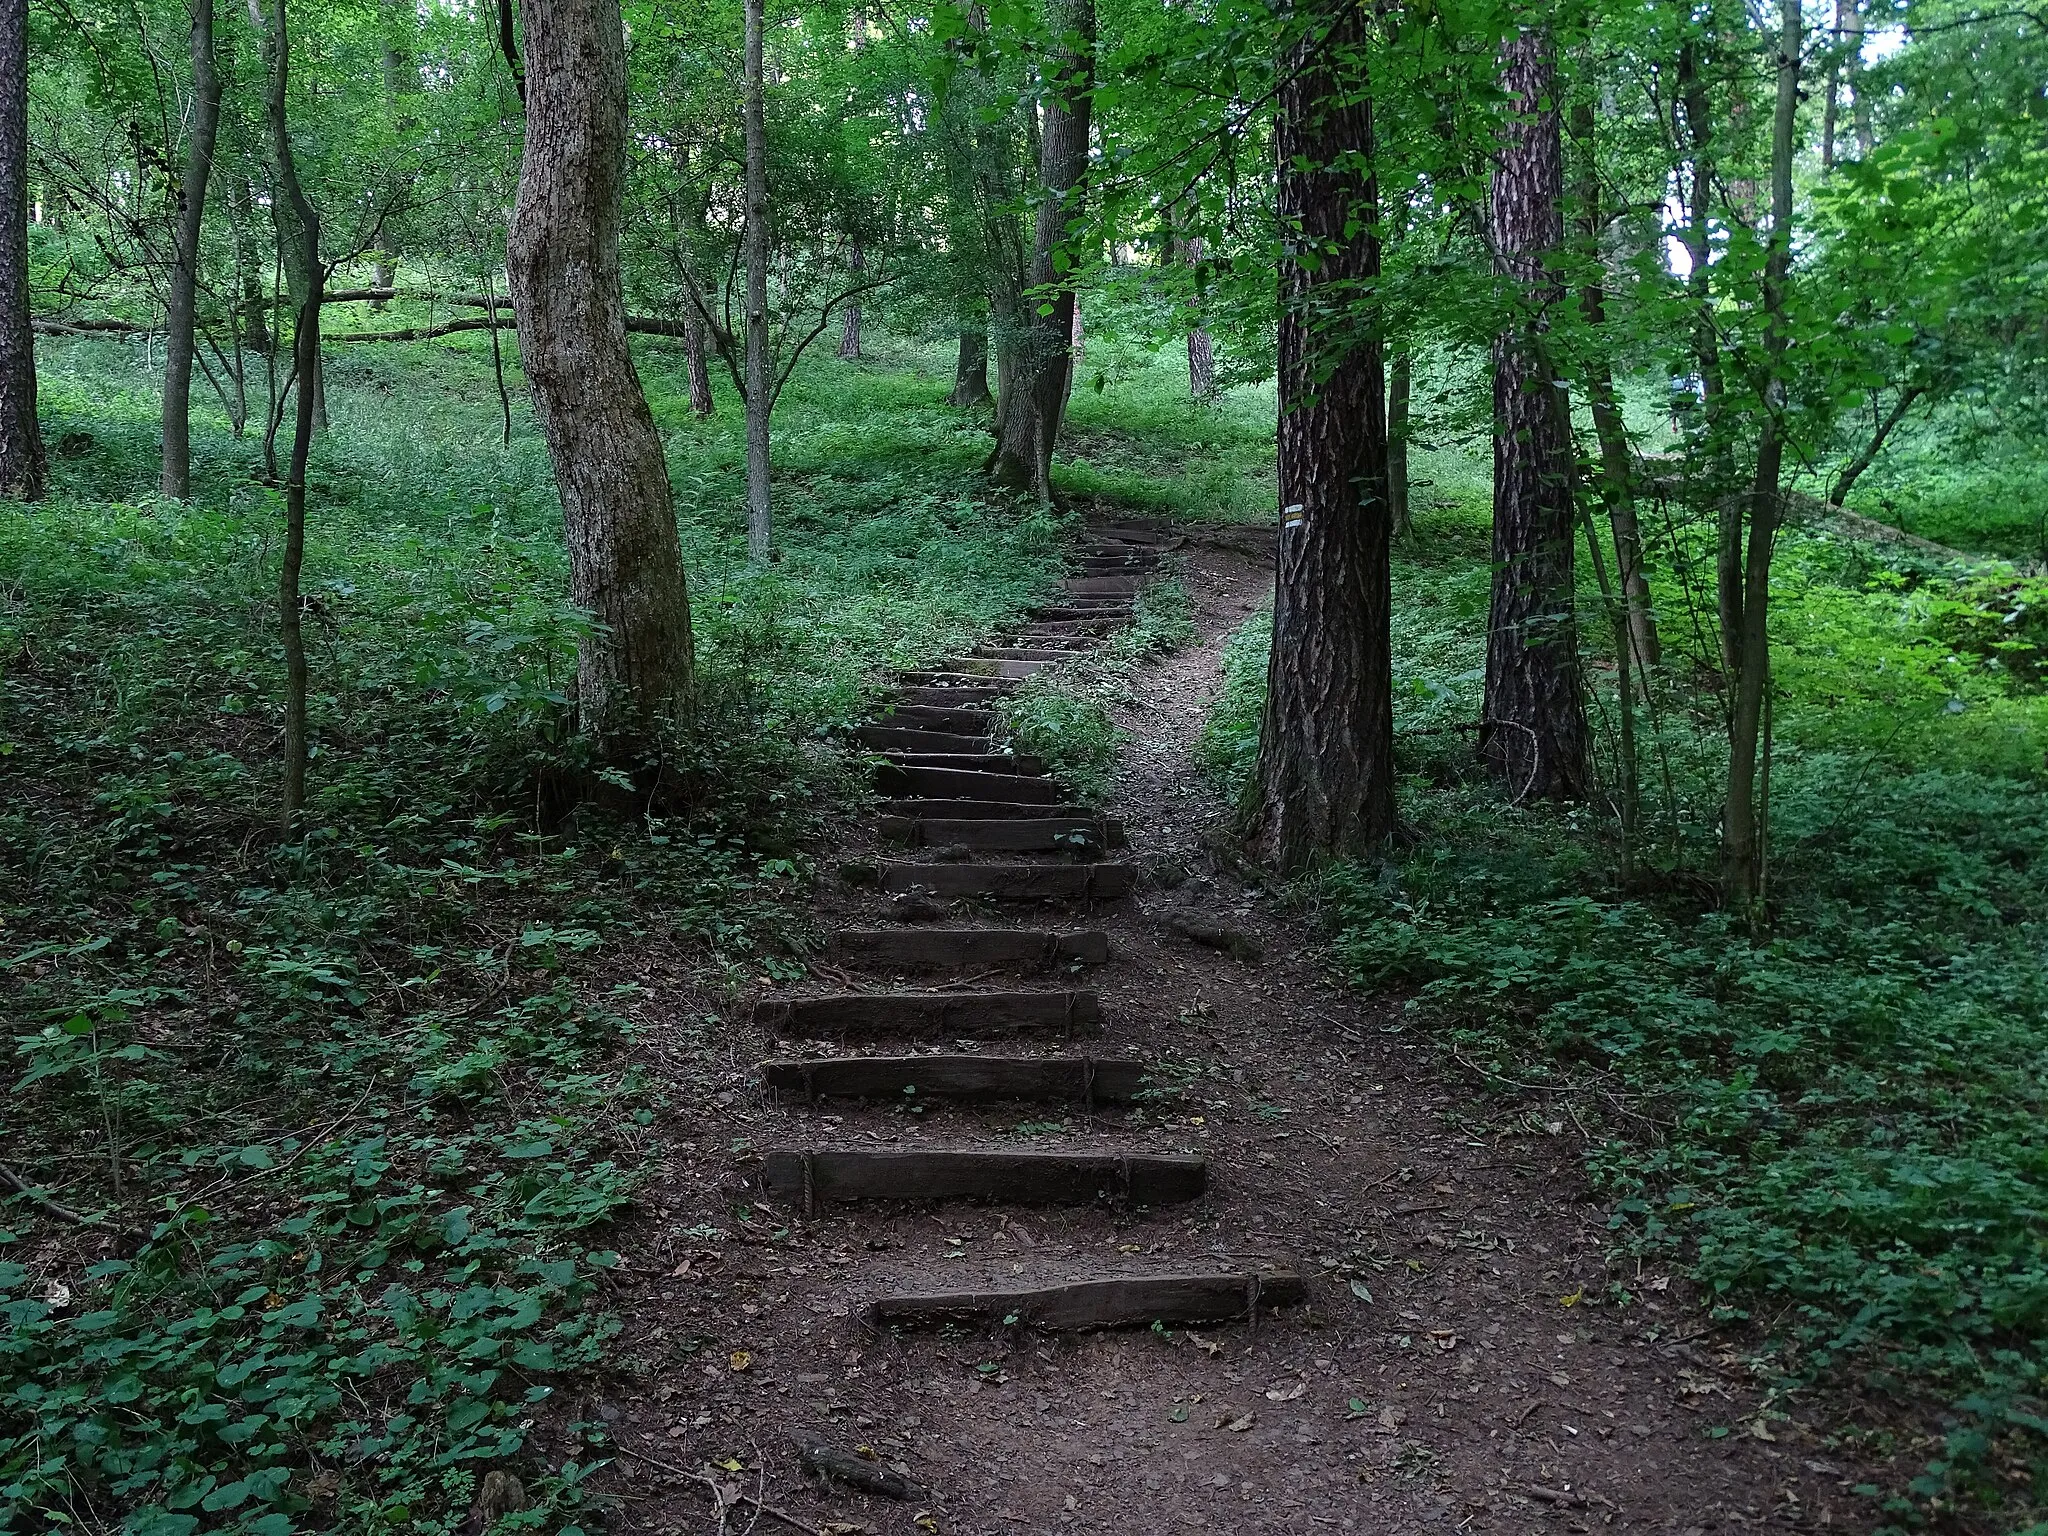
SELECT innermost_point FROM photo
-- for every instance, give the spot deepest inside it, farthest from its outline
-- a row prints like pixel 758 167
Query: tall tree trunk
pixel 760 385
pixel 970 369
pixel 24 473
pixel 1534 732
pixel 1742 825
pixel 1717 450
pixel 849 320
pixel 1830 115
pixel 1035 397
pixel 1617 481
pixel 699 365
pixel 1859 100
pixel 1326 741
pixel 1400 386
pixel 181 309
pixel 298 228
pixel 1201 352
pixel 401 79
pixel 633 667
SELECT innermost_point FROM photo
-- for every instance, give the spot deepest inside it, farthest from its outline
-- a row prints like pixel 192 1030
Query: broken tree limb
pixel 822 1460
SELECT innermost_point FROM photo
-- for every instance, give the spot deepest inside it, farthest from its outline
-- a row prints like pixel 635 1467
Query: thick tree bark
pixel 1326 741
pixel 298 229
pixel 1534 732
pixel 24 473
pixel 1037 375
pixel 180 311
pixel 699 366
pixel 1400 386
pixel 849 316
pixel 1617 481
pixel 970 369
pixel 633 668
pixel 1743 818
pixel 760 370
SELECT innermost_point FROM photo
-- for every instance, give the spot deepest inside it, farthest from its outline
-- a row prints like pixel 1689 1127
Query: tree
pixel 1035 377
pixel 181 310
pixel 1534 732
pixel 1326 744
pixel 634 665
pixel 760 370
pixel 23 471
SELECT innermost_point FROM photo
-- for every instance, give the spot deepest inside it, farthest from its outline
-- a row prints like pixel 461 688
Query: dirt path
pixel 1451 1369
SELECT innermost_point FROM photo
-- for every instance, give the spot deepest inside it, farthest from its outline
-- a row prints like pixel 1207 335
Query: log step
pixel 1080 610
pixel 969 948
pixel 957 1077
pixel 948 699
pixel 969 784
pixel 1136 1301
pixel 961 680
pixel 1022 653
pixel 982 810
pixel 949 1015
pixel 1044 834
pixel 896 738
pixel 810 1179
pixel 926 717
pixel 983 761
pixel 996 667
pixel 1101 586
pixel 1014 882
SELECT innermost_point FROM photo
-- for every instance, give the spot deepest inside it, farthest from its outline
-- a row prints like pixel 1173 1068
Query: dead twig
pixel 710 1486
pixel 43 1202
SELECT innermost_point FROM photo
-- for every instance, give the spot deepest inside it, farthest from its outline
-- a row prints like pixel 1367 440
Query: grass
pixel 347 1121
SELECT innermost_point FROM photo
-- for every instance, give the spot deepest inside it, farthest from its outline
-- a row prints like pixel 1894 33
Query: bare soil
pixel 1456 1368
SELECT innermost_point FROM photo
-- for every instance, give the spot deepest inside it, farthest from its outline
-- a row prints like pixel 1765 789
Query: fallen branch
pixel 43 1202
pixel 710 1486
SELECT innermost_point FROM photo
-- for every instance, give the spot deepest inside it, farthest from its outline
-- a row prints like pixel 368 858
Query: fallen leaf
pixel 1238 1425
pixel 1207 1346
pixel 841 1528
pixel 1758 1429
pixel 732 1464
pixel 1558 1378
pixel 1392 1417
pixel 1179 1414
pixel 923 1521
pixel 1360 1290
pixel 1573 1299
pixel 1661 1283
pixel 1286 1392
pixel 1356 1408
pixel 741 1359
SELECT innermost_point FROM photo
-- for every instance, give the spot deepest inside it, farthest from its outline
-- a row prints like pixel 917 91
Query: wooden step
pixel 957 1077
pixel 920 1015
pixel 949 698
pixel 811 1178
pixel 1043 834
pixel 976 762
pixel 925 717
pixel 1021 949
pixel 1019 653
pixel 943 809
pixel 1133 1301
pixel 1057 644
pixel 994 667
pixel 952 679
pixel 1101 586
pixel 1077 612
pixel 1013 882
pixel 1110 565
pixel 969 784
pixel 894 738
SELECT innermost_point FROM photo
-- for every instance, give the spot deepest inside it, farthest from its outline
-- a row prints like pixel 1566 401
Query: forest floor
pixel 1453 1369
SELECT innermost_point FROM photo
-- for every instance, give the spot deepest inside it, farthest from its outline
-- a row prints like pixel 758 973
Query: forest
pixel 873 766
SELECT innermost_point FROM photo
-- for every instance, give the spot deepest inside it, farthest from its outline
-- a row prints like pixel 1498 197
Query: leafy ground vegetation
pixel 1836 1126
pixel 337 1129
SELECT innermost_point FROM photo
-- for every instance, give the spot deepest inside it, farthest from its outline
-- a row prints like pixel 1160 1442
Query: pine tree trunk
pixel 1326 741
pixel 1039 368
pixel 180 309
pixel 699 365
pixel 760 385
pixel 970 370
pixel 24 473
pixel 1743 827
pixel 1400 385
pixel 849 321
pixel 633 668
pixel 1534 732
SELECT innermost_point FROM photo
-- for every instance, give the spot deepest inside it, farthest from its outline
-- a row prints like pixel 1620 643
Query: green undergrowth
pixel 1063 715
pixel 348 1120
pixel 1838 1130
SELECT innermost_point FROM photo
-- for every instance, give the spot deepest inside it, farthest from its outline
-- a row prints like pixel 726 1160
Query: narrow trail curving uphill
pixel 1079 1198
